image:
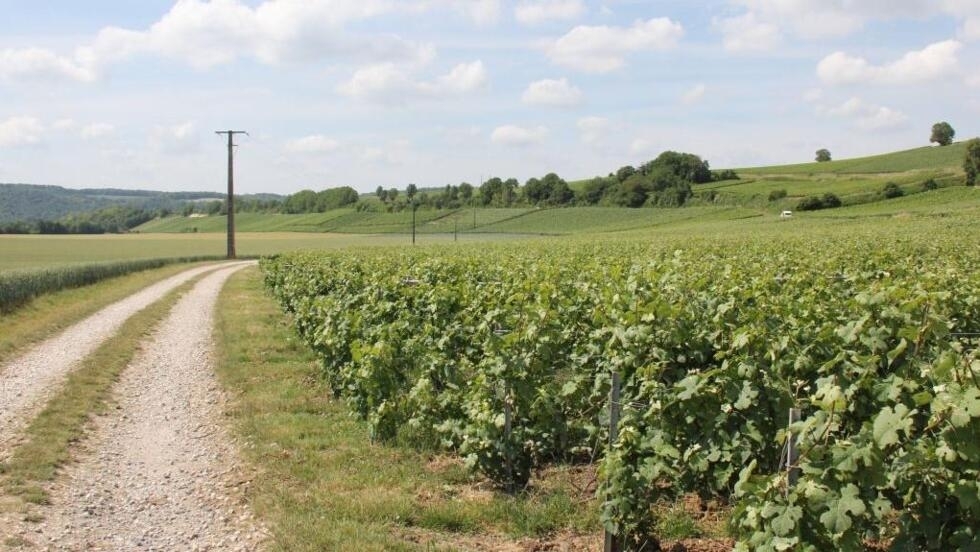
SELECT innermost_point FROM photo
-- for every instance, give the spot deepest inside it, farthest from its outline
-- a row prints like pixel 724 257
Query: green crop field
pixel 246 222
pixel 27 252
pixel 924 158
pixel 868 330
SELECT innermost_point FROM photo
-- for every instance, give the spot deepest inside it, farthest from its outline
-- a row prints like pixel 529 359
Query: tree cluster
pixel 814 203
pixel 308 201
pixel 971 164
pixel 665 181
pixel 110 220
pixel 942 134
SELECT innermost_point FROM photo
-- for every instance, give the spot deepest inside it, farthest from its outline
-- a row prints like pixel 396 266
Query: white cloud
pixel 20 131
pixel 64 124
pixel 593 130
pixel 539 11
pixel 392 84
pixel 40 64
pixel 482 12
pixel 642 146
pixel 96 130
pixel 933 62
pixel 204 34
pixel 316 143
pixel 603 48
pixel 867 116
pixel 747 33
pixel 814 19
pixel 182 138
pixel 553 93
pixel 813 95
pixel 694 95
pixel 970 30
pixel 465 77
pixel 513 135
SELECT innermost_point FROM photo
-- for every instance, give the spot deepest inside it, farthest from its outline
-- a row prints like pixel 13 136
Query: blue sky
pixel 383 92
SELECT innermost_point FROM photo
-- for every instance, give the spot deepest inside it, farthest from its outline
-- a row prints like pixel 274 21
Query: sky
pixel 116 93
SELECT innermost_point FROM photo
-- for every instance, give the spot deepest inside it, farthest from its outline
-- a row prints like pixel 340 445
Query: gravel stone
pixel 161 472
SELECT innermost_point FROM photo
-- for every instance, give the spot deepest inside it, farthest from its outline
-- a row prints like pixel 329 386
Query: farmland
pixel 504 356
pixel 28 252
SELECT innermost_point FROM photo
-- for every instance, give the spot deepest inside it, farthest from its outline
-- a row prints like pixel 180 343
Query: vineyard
pixel 506 355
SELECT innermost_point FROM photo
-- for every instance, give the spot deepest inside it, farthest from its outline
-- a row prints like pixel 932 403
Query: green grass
pixel 54 312
pixel 924 158
pixel 343 221
pixel 945 202
pixel 85 393
pixel 589 220
pixel 31 252
pixel 322 484
pixel 246 222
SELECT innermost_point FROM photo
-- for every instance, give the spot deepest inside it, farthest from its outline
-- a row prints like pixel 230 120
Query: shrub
pixel 726 174
pixel 813 203
pixel 809 203
pixel 776 195
pixel 830 201
pixel 930 185
pixel 892 190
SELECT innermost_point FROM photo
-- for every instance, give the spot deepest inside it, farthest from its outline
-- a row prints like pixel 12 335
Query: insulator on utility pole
pixel 231 187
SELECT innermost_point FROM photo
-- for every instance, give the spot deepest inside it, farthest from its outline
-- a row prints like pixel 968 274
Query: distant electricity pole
pixel 231 187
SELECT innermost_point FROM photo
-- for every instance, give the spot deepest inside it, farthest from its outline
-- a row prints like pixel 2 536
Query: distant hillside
pixel 921 182
pixel 926 158
pixel 26 202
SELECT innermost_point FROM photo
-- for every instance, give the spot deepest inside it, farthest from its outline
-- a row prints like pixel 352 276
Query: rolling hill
pixel 24 202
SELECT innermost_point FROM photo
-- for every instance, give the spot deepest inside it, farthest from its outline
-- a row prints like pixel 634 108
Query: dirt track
pixel 27 382
pixel 160 472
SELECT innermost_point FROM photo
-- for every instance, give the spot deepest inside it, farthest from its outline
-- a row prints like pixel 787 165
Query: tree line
pixel 665 181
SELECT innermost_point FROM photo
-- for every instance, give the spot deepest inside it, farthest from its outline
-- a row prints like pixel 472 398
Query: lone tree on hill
pixel 823 155
pixel 972 162
pixel 942 134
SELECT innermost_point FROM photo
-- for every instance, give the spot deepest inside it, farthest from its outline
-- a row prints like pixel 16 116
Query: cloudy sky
pixel 386 92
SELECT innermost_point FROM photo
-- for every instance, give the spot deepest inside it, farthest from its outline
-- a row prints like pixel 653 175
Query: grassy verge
pixel 86 392
pixel 51 313
pixel 323 485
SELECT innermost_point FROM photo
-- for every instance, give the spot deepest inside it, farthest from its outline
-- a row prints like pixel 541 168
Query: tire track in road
pixel 27 382
pixel 161 471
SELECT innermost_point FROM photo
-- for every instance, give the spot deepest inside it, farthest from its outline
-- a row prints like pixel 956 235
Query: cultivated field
pixel 33 251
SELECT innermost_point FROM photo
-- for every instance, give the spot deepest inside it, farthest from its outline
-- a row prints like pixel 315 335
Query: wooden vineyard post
pixel 508 450
pixel 613 542
pixel 792 452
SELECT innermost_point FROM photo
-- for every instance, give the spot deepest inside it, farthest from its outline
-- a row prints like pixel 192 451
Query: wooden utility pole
pixel 231 187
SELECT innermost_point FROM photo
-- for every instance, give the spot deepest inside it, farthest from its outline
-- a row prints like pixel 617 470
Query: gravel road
pixel 26 383
pixel 160 472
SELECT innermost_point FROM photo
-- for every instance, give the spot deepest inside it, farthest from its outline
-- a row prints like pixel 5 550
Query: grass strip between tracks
pixel 87 391
pixel 321 483
pixel 51 313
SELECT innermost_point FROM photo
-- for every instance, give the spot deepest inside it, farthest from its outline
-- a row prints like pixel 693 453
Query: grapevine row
pixel 714 342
